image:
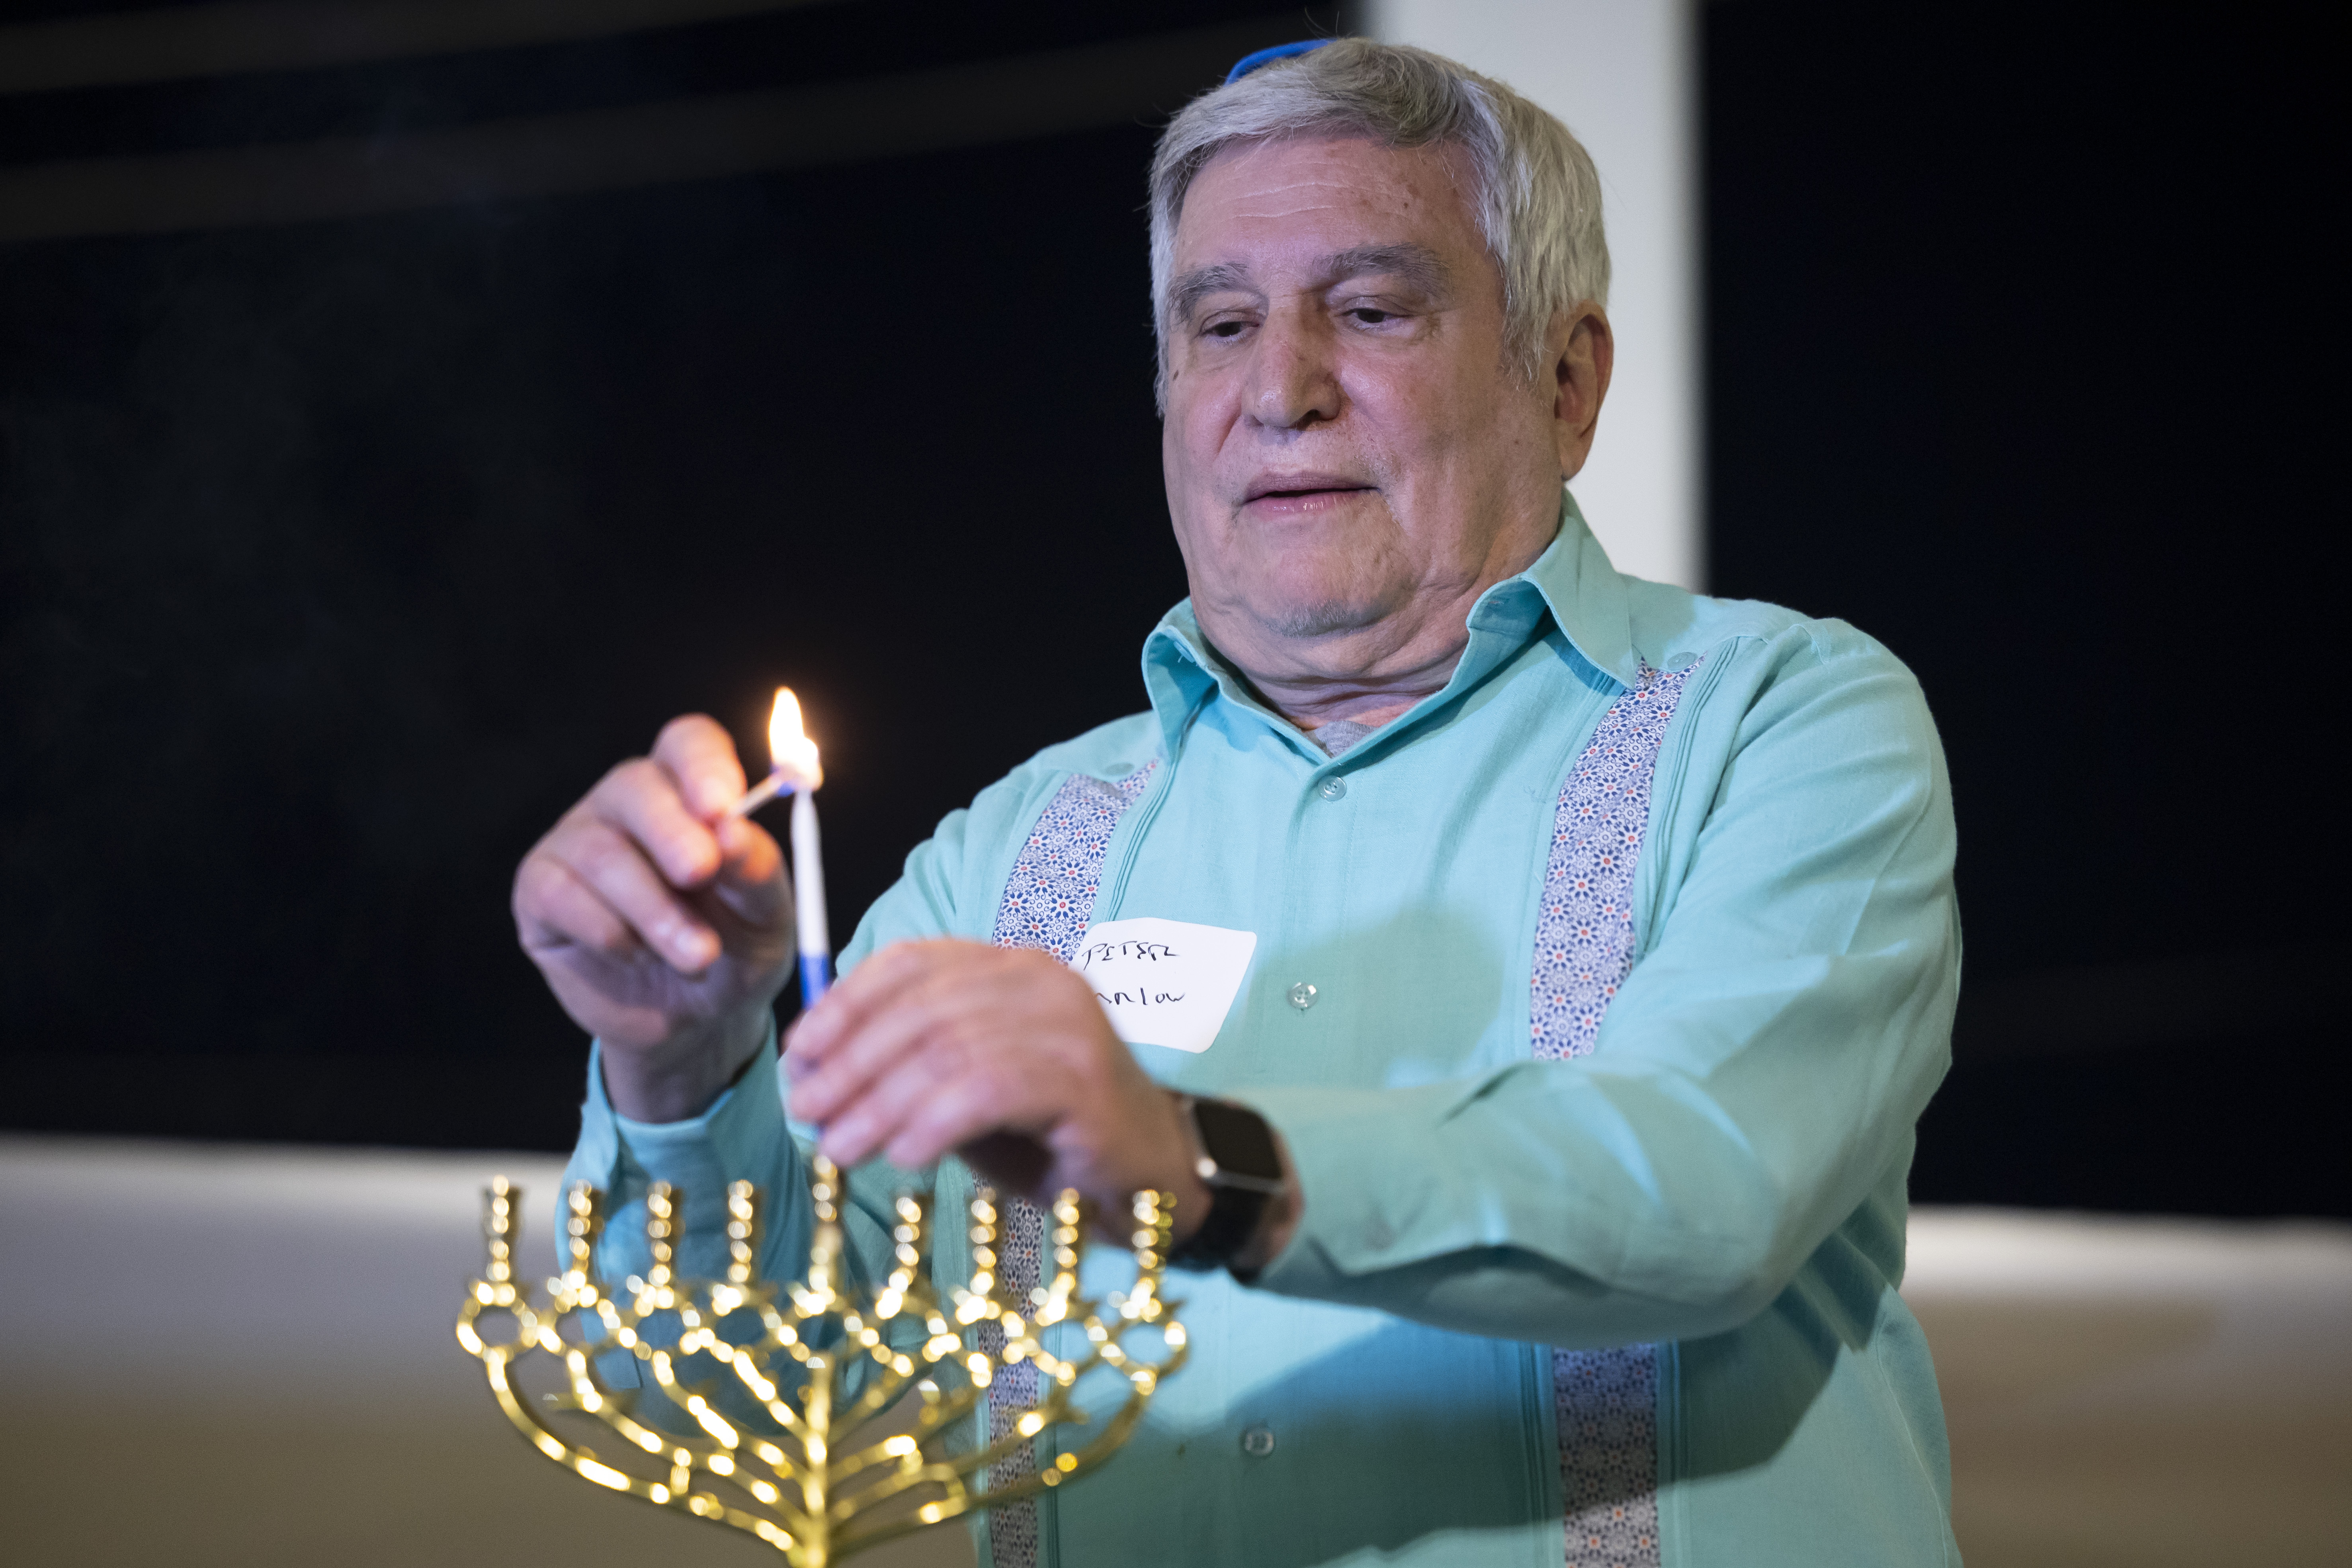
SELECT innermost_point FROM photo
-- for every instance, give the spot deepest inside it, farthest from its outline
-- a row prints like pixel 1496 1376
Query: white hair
pixel 1537 199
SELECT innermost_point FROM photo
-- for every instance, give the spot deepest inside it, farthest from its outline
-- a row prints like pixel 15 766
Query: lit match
pixel 791 757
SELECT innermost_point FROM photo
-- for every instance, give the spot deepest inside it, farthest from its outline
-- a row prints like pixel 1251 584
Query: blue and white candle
pixel 795 769
pixel 808 896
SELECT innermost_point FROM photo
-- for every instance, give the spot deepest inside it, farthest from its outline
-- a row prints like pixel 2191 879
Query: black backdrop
pixel 2023 327
pixel 340 556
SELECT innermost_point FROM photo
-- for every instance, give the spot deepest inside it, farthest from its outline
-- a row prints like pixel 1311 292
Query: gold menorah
pixel 795 1352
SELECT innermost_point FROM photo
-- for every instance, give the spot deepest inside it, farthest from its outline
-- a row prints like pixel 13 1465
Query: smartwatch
pixel 1236 1160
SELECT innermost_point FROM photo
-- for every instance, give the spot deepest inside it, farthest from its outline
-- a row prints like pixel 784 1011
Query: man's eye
pixel 1224 329
pixel 1372 317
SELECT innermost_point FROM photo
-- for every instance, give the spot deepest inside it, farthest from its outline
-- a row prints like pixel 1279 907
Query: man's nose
pixel 1295 381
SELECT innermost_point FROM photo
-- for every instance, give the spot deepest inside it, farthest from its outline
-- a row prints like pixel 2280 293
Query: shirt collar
pixel 1572 580
pixel 1585 594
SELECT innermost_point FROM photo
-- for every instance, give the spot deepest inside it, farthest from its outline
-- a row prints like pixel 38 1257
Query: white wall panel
pixel 1622 73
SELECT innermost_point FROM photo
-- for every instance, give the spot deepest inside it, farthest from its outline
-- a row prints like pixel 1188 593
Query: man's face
pixel 1349 454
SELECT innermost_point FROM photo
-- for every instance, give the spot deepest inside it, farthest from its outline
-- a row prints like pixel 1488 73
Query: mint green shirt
pixel 1723 1176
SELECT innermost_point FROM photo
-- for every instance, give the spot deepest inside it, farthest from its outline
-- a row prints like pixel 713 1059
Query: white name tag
pixel 1165 982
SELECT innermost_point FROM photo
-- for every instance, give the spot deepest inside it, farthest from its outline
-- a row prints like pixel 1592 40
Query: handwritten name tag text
pixel 1165 982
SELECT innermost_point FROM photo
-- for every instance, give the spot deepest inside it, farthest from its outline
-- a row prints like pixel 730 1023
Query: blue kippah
pixel 1249 63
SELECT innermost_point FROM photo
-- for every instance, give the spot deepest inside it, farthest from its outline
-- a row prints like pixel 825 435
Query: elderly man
pixel 1600 949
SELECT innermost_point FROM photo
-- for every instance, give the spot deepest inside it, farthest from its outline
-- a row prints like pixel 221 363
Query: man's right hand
pixel 664 926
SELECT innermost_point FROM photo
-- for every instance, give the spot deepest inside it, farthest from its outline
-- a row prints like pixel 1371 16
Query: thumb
pixel 751 883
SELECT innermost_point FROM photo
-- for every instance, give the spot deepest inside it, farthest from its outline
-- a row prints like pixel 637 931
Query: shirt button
pixel 1257 1441
pixel 1302 996
pixel 1378 1235
pixel 1333 788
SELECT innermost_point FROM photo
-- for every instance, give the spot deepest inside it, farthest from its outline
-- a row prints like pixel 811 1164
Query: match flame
pixel 789 747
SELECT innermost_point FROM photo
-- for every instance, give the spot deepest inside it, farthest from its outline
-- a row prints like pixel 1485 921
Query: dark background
pixel 340 556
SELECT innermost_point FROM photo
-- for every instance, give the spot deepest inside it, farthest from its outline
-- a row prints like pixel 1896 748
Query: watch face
pixel 1237 1139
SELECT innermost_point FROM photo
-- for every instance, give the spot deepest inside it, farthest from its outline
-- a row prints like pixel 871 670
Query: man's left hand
pixel 1001 1055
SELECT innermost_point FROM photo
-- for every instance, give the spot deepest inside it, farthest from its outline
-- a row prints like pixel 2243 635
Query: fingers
pixel 700 757
pixel 880 1108
pixel 931 1048
pixel 613 868
pixel 660 926
pixel 635 864
pixel 554 908
pixel 642 799
pixel 856 998
pixel 927 1045
pixel 867 1023
pixel 938 1088
pixel 928 1117
pixel 752 883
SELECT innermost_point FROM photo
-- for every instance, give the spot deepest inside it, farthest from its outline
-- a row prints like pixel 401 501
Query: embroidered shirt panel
pixel 1606 1401
pixel 1048 903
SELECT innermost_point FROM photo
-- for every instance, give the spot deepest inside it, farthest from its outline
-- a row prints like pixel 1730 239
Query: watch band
pixel 1237 1161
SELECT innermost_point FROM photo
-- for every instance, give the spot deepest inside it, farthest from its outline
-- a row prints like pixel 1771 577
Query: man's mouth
pixel 1300 487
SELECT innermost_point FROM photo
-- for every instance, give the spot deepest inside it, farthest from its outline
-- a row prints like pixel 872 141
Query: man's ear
pixel 1579 351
